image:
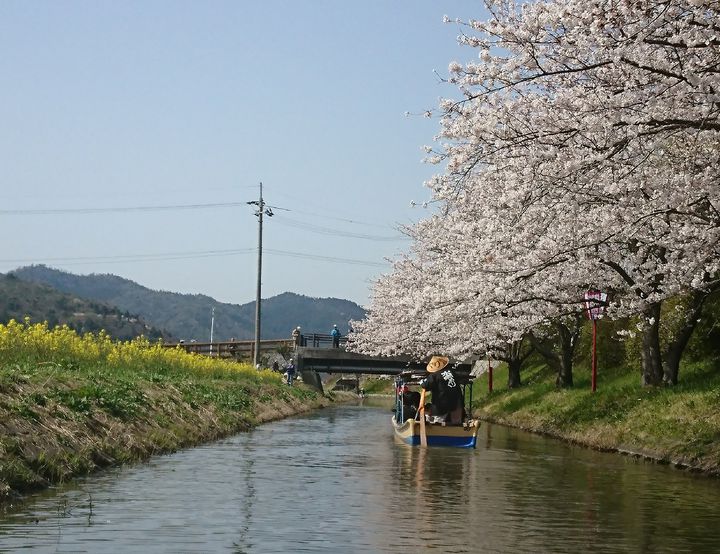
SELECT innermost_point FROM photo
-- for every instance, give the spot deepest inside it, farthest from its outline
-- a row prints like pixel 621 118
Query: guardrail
pixel 245 349
pixel 238 349
pixel 319 340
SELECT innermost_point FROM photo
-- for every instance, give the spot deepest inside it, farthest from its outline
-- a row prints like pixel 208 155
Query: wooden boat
pixel 407 425
pixel 461 435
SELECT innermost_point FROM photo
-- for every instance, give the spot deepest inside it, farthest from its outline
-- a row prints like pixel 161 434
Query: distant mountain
pixel 188 316
pixel 39 302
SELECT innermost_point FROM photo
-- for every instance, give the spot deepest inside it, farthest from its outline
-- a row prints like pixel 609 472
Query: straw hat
pixel 436 363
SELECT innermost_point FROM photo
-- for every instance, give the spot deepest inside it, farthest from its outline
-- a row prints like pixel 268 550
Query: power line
pixel 335 232
pixel 354 221
pixel 170 207
pixel 123 209
pixel 127 209
pixel 166 256
pixel 343 220
pixel 283 219
pixel 325 258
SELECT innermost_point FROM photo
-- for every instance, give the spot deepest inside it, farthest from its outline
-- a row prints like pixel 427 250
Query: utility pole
pixel 212 327
pixel 259 213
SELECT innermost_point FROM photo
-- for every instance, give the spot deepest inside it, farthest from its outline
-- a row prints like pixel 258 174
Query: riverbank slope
pixel 678 425
pixel 70 405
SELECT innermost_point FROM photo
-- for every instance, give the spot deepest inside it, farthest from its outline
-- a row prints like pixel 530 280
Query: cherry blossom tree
pixel 609 113
pixel 583 153
pixel 431 303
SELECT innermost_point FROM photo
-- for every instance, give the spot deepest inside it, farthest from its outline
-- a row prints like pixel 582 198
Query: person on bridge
pixel 290 372
pixel 447 397
pixel 296 336
pixel 335 334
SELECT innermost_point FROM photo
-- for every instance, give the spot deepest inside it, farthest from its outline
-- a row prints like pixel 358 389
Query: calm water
pixel 337 481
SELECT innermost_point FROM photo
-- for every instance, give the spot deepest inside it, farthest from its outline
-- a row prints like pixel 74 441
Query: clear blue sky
pixel 112 105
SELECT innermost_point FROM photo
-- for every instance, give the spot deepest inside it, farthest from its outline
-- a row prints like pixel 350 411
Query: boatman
pixel 447 397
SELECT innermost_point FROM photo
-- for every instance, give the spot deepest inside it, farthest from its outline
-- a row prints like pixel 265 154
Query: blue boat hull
pixel 458 436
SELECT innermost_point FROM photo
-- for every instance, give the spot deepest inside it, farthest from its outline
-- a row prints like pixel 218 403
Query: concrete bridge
pixel 338 360
pixel 314 353
pixel 310 362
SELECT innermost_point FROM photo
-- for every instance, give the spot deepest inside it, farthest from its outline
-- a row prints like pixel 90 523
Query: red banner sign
pixel 595 303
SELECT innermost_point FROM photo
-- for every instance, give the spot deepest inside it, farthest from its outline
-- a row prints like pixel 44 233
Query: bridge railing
pixel 239 349
pixel 320 340
pixel 245 349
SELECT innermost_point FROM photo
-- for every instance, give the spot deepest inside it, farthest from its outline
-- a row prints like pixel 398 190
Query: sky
pixel 132 135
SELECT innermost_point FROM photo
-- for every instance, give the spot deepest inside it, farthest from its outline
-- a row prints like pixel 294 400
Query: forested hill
pixel 39 302
pixel 187 316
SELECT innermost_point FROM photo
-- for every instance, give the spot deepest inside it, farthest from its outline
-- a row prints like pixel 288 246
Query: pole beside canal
pixel 490 376
pixel 593 379
pixel 595 302
pixel 259 213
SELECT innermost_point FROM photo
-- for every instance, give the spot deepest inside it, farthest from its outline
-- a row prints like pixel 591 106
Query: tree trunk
pixel 514 364
pixel 671 365
pixel 652 371
pixel 514 356
pixel 676 347
pixel 559 353
pixel 565 372
pixel 548 352
pixel 568 342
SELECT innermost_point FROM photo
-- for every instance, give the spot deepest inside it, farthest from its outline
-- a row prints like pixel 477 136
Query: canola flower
pixel 149 398
pixel 26 344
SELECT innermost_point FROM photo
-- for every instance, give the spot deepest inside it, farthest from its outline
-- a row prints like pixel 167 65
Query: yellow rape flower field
pixel 71 404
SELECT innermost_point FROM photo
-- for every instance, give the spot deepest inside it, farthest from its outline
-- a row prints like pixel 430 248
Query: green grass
pixel 70 404
pixel 378 386
pixel 680 422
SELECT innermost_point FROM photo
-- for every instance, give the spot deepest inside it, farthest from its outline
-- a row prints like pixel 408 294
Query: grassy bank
pixel 678 425
pixel 70 405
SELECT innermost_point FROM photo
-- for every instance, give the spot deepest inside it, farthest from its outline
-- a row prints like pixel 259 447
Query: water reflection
pixel 337 480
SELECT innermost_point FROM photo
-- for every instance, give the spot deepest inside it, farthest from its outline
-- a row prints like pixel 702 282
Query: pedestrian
pixel 296 336
pixel 447 397
pixel 335 334
pixel 290 372
pixel 276 367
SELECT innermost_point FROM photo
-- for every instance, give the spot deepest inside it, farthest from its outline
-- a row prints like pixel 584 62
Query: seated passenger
pixel 411 403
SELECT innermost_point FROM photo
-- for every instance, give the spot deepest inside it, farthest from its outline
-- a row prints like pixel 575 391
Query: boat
pixel 407 426
pixel 463 435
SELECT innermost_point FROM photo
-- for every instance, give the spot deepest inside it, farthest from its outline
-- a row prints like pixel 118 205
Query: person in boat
pixel 411 403
pixel 443 384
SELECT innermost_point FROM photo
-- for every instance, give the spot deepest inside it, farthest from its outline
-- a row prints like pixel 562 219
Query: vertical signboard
pixel 595 302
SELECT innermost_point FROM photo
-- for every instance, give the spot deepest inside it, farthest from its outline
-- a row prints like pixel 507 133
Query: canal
pixel 337 481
